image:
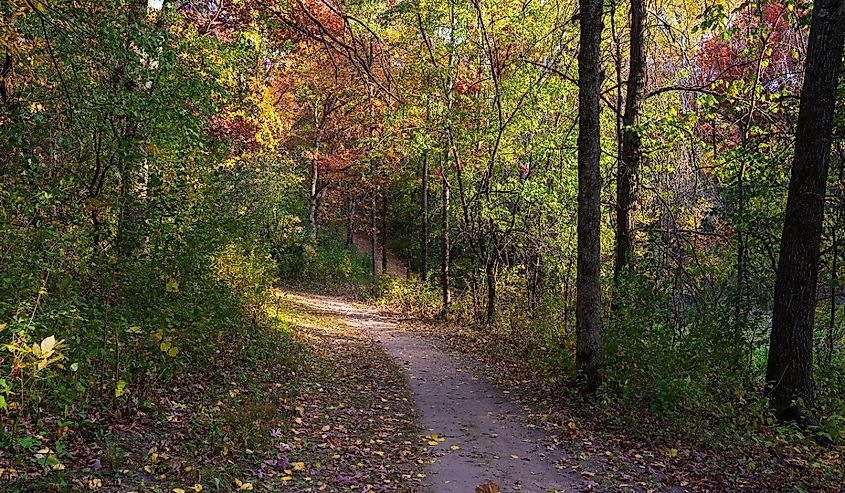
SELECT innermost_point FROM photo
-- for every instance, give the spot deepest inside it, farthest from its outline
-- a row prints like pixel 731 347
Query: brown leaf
pixel 490 487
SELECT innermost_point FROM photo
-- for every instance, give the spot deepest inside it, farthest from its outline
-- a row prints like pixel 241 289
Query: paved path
pixel 479 432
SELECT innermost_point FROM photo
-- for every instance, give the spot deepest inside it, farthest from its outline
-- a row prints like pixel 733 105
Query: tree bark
pixel 313 198
pixel 491 274
pixel 350 222
pixel 789 374
pixel 384 231
pixel 445 244
pixel 588 357
pixel 631 154
pixel 373 228
pixel 424 239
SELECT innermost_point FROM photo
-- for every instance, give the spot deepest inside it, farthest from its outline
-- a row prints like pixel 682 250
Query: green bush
pixel 331 262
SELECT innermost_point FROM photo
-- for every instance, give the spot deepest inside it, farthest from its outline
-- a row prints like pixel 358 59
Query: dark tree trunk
pixel 373 228
pixel 445 245
pixel 6 70
pixel 384 231
pixel 424 239
pixel 588 358
pixel 491 271
pixel 373 220
pixel 631 154
pixel 789 374
pixel 350 222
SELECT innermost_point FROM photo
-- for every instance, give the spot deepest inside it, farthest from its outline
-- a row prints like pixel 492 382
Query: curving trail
pixel 479 434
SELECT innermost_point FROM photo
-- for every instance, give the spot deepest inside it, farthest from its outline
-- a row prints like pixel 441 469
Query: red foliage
pixel 312 18
pixel 240 133
pixel 771 31
pixel 762 46
pixel 219 19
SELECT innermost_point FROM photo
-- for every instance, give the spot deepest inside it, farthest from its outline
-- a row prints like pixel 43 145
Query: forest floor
pixel 337 396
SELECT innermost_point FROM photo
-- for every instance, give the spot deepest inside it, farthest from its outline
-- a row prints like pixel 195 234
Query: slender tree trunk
pixel 350 222
pixel 491 271
pixel 588 358
pixel 631 153
pixel 789 374
pixel 424 239
pixel 445 245
pixel 313 200
pixel 384 231
pixel 373 231
pixel 6 70
pixel 373 209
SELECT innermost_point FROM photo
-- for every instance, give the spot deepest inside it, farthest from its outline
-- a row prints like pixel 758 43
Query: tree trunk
pixel 445 244
pixel 350 222
pixel 631 154
pixel 588 358
pixel 424 239
pixel 789 373
pixel 384 231
pixel 373 231
pixel 313 201
pixel 491 270
pixel 6 70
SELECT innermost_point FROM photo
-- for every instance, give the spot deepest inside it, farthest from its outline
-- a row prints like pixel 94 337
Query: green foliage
pixel 331 262
pixel 129 258
pixel 412 297
pixel 670 358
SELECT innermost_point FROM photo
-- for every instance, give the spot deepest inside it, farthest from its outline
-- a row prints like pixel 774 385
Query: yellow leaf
pixel 298 466
pixel 197 487
pixel 120 389
pixel 165 346
pixel 286 478
pixel 672 452
pixel 178 490
pixel 571 426
pixel 173 352
pixel 48 344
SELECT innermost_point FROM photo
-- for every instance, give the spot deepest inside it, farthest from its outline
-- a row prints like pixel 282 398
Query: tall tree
pixel 631 154
pixel 588 357
pixel 424 239
pixel 790 366
pixel 445 244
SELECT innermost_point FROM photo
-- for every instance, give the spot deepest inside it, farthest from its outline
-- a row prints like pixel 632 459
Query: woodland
pixel 631 213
